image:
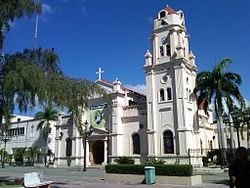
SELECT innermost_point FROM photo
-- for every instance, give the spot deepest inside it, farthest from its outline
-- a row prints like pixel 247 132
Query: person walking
pixel 239 170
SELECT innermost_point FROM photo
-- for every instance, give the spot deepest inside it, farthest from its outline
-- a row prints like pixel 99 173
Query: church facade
pixel 163 123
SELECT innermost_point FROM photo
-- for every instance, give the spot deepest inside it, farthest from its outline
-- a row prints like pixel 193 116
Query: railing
pixel 213 156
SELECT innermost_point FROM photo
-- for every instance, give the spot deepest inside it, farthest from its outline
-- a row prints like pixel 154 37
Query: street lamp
pixel 227 122
pixel 247 121
pixel 87 133
pixel 5 138
pixel 237 120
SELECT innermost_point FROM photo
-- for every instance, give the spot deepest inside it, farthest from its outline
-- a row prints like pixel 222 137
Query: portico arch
pixel 98 152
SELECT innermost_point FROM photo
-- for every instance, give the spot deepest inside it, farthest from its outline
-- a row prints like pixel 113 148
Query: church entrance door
pixel 98 152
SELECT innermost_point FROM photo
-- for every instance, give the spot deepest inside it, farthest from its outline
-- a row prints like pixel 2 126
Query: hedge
pixel 124 169
pixel 164 170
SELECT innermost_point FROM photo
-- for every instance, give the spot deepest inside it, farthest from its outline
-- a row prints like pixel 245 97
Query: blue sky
pixel 114 34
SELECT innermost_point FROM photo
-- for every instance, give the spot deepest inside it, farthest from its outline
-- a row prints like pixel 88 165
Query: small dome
pixel 170 10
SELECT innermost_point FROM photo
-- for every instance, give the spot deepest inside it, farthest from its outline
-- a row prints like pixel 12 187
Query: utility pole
pixel 36 30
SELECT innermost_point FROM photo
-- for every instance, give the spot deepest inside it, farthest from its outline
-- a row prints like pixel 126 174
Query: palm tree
pixel 32 152
pixel 49 114
pixel 216 87
pixel 245 118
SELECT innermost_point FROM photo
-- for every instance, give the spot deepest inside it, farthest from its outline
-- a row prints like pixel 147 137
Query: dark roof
pixel 170 10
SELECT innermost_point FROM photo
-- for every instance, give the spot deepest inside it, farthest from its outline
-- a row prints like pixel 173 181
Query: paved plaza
pixel 94 178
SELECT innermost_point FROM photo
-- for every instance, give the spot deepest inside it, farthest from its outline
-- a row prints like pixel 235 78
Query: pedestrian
pixel 239 170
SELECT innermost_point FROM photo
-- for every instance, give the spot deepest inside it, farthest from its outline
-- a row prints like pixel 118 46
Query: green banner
pixel 98 117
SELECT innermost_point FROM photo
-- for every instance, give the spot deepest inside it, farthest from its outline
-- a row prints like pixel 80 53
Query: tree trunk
pixel 238 136
pixel 231 133
pixel 221 135
pixel 45 149
pixel 248 140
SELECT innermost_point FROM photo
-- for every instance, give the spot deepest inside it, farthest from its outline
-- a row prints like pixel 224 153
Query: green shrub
pixel 124 160
pixel 164 170
pixel 174 170
pixel 124 169
pixel 154 162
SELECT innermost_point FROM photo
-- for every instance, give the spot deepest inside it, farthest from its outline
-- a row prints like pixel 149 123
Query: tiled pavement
pixel 94 178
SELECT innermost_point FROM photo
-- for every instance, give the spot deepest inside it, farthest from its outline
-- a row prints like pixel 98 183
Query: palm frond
pixel 222 65
pixel 233 77
pixel 40 125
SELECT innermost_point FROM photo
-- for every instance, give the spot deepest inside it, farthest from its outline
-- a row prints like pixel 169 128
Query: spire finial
pixel 99 72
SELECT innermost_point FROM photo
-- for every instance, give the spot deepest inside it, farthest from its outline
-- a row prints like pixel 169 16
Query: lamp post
pixel 237 120
pixel 87 132
pixel 227 122
pixel 5 138
pixel 247 121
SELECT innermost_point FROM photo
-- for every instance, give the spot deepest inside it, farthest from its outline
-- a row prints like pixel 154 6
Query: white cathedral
pixel 165 123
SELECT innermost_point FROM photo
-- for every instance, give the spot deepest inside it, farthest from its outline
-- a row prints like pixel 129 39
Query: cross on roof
pixel 99 72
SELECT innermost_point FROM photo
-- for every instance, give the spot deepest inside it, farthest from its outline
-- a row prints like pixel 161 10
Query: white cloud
pixel 46 11
pixel 46 8
pixel 141 88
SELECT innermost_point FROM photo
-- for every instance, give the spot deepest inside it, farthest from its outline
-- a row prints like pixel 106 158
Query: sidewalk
pixel 94 178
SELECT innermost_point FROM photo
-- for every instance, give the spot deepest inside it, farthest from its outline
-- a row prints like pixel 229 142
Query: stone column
pixel 105 152
pixel 74 150
pixel 87 154
pixel 56 152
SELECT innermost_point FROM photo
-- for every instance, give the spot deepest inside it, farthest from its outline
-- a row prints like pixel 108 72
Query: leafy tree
pixel 32 152
pixel 21 73
pixel 79 92
pixel 3 153
pixel 11 9
pixel 18 155
pixel 34 75
pixel 49 114
pixel 215 87
pixel 24 77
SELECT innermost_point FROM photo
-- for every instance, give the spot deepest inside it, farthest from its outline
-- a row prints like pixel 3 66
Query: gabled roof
pixel 109 84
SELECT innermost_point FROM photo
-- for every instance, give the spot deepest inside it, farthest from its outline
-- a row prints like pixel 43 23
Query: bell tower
pixel 170 77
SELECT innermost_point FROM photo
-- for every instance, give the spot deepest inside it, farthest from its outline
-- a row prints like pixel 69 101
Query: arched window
pixel 169 93
pixel 162 95
pixel 190 96
pixel 136 143
pixel 162 14
pixel 68 147
pixel 161 51
pixel 168 49
pixel 168 142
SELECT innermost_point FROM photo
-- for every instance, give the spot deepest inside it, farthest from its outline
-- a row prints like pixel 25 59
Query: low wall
pixel 175 180
pixel 179 180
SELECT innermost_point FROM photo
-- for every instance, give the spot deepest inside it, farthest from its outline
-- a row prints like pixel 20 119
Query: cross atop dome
pixel 99 72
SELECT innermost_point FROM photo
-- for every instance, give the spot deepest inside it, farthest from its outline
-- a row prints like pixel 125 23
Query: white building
pixel 24 133
pixel 164 124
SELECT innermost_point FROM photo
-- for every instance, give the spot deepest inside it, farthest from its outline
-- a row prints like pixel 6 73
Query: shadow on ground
pixel 4 178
